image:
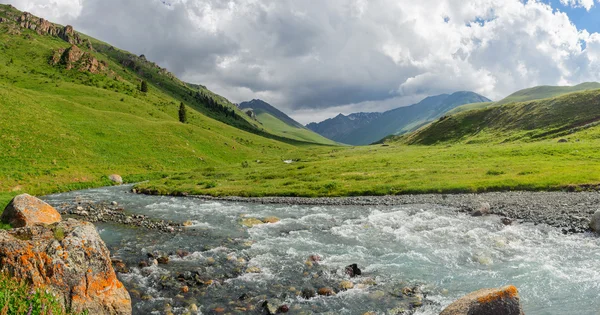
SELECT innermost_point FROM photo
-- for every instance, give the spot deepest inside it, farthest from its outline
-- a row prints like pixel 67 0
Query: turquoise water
pixel 446 253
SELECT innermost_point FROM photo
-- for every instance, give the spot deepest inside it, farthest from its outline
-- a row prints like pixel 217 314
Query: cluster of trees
pixel 210 103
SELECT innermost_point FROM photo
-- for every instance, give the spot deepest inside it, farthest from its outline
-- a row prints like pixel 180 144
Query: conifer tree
pixel 182 113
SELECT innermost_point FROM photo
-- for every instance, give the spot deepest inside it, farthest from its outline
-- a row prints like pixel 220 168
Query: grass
pixel 399 169
pixel 17 297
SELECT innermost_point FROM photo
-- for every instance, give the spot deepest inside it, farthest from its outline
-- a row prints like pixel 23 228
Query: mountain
pixel 559 116
pixel 340 126
pixel 408 118
pixel 277 122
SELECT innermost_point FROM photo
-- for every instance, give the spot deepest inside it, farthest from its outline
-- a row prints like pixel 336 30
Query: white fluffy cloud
pixel 316 58
pixel 587 4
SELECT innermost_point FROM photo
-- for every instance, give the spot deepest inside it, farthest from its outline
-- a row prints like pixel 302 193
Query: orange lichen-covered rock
pixel 26 210
pixel 70 259
pixel 502 301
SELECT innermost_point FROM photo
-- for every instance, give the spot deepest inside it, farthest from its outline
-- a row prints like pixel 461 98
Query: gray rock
pixel 595 222
pixel 116 179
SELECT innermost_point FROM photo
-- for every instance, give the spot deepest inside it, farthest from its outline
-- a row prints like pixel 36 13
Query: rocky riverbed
pixel 103 211
pixel 568 211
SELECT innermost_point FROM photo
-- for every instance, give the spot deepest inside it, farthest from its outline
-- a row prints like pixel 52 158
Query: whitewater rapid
pixel 444 252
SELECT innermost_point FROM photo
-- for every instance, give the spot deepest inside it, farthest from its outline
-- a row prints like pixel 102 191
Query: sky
pixel 314 59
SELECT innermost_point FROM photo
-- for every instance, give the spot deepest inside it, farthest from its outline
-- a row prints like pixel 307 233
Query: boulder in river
pixel 502 301
pixel 26 210
pixel 484 209
pixel 595 222
pixel 70 260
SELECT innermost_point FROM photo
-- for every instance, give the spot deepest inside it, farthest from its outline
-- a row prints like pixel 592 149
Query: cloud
pixel 587 4
pixel 316 58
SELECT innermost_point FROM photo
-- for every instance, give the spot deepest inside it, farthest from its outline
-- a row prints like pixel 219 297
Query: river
pixel 443 252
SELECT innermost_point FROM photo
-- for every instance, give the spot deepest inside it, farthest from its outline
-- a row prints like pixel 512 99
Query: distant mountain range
pixel 366 128
pixel 277 122
pixel 341 126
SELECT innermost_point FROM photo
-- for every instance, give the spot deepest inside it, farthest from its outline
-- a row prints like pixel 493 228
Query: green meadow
pixel 63 130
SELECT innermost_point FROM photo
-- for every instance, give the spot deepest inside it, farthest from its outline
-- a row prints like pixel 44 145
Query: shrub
pixel 144 86
pixel 245 164
pixel 494 172
pixel 182 113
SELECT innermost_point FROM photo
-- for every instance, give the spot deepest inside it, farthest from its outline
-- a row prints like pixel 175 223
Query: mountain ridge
pixel 398 120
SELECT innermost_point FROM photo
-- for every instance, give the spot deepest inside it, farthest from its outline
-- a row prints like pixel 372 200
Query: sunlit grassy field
pixel 398 169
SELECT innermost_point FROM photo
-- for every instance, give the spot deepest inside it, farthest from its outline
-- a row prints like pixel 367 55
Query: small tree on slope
pixel 182 113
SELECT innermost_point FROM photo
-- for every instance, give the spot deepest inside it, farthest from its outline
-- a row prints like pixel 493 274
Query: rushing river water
pixel 446 253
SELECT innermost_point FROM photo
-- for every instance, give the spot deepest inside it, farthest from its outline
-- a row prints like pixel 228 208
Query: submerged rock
pixel 502 301
pixel 308 293
pixel 271 220
pixel 70 259
pixel 326 291
pixel 595 222
pixel 353 270
pixel 250 222
pixel 26 210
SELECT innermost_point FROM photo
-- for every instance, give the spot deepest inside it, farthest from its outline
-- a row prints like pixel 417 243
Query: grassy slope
pixel 467 107
pixel 64 130
pixel 532 120
pixel 276 126
pixel 541 92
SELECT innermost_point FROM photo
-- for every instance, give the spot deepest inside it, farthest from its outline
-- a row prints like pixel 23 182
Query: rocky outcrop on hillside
pixel 75 58
pixel 26 20
pixel 43 27
pixel 68 258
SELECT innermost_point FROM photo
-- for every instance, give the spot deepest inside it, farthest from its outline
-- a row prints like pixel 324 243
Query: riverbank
pixel 569 211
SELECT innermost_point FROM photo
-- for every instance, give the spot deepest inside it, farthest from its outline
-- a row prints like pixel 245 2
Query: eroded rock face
pixel 502 301
pixel 43 27
pixel 75 58
pixel 26 210
pixel 71 260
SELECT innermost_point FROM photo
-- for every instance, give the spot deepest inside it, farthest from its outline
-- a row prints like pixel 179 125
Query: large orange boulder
pixel 26 210
pixel 68 258
pixel 502 301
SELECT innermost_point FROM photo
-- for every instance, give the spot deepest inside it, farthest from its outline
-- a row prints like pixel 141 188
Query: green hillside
pixel 406 119
pixel 532 120
pixel 276 122
pixel 467 107
pixel 545 91
pixel 64 129
pixel 276 126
